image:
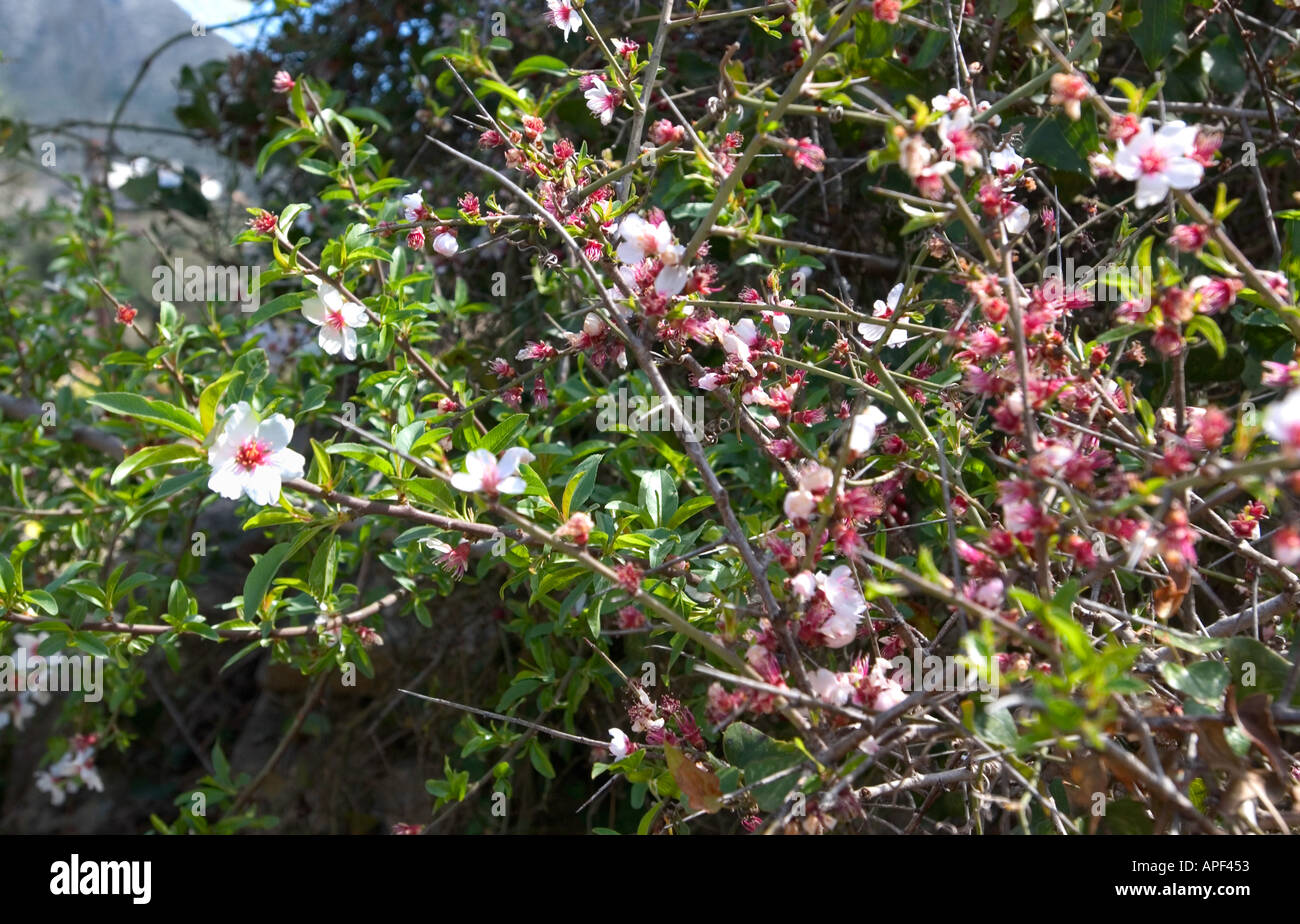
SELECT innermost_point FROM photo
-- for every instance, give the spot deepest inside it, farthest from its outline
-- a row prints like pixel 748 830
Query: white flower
pixel 1282 420
pixel 873 332
pixel 839 630
pixel 1005 159
pixel 953 99
pixel 799 505
pixel 710 381
pixel 562 15
pixel 804 585
pixel 779 320
pixel 619 745
pixel 1158 161
pixel 642 239
pixel 119 174
pixel 251 457
pixel 18 711
pixel 841 590
pixel 484 473
pixel 829 686
pixel 914 155
pixel 672 279
pixel 736 338
pixel 46 782
pixel 412 204
pixel 337 318
pixel 601 100
pixel 445 244
pixel 1016 220
pixel 864 429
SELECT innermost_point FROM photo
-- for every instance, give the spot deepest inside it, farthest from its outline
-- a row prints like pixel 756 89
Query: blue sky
pixel 210 12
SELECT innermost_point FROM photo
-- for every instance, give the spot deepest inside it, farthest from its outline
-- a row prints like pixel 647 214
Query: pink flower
pixel 1159 160
pixel 1286 546
pixel 625 47
pixel 282 82
pixel 1068 91
pixel 577 528
pixel 453 561
pixel 960 143
pixel 665 131
pixel 562 15
pixel 807 155
pixel 1189 238
pixel 485 474
pixel 601 100
pixel 886 10
pixel 830 687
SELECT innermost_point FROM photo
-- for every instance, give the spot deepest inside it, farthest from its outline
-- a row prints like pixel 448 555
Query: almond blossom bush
pixel 925 440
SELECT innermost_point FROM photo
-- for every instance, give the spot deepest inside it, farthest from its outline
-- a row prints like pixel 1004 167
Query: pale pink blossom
pixel 483 472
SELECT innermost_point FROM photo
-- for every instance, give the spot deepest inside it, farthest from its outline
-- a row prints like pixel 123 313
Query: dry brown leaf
pixel 701 786
pixel 1169 595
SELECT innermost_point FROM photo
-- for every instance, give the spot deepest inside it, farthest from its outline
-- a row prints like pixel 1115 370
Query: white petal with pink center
pixel 337 319
pixel 483 472
pixel 1158 161
pixel 251 457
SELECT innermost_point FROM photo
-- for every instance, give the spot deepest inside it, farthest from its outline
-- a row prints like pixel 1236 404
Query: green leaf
pixel 581 484
pixel 688 509
pixel 323 568
pixel 1062 144
pixel 151 456
pixel 540 64
pixel 159 412
pixel 88 643
pixel 760 757
pixel 657 496
pixel 276 306
pixel 210 398
pixel 260 577
pixel 1205 681
pixel 503 435
pixel 1257 668
pixel 43 600
pixel 1159 27
pixel 1205 326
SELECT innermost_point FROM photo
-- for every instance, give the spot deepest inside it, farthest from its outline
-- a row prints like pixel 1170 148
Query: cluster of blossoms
pixel 666 722
pixel 865 684
pixel 30 691
pixel 72 771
